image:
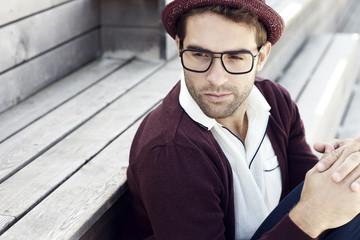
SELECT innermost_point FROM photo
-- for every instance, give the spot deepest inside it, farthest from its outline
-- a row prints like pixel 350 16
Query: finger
pixel 355 186
pixel 343 149
pixel 346 167
pixel 329 159
pixel 325 147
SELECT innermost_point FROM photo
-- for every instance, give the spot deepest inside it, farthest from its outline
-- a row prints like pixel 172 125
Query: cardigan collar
pixel 256 104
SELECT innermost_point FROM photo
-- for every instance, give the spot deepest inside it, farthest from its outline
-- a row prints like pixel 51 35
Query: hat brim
pixel 273 22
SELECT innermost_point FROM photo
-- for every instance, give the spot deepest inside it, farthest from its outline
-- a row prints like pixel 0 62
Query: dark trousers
pixel 350 231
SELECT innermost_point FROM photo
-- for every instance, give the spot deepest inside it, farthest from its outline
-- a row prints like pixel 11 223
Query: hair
pixel 239 15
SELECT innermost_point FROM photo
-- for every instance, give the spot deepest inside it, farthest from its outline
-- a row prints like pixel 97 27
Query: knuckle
pixel 336 143
pixel 348 150
pixel 333 155
pixel 355 158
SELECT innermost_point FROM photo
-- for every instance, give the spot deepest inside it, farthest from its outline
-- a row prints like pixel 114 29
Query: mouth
pixel 217 97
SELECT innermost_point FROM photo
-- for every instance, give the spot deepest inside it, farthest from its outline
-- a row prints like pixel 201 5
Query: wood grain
pixel 324 100
pixel 53 96
pixel 13 10
pixel 79 199
pixel 28 38
pixel 299 73
pixel 28 78
pixel 301 22
pixel 5 221
pixel 47 131
pixel 141 13
pixel 350 127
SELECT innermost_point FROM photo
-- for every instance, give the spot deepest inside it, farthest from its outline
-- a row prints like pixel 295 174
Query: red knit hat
pixel 272 20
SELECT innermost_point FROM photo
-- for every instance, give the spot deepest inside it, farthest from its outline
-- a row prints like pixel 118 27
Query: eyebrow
pixel 196 47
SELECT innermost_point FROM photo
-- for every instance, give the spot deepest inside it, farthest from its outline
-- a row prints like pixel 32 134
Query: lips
pixel 217 97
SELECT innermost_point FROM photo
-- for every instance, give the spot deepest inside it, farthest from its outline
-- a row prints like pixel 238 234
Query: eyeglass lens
pixel 237 62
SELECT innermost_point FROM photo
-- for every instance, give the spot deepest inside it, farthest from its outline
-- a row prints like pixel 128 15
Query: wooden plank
pixel 130 13
pixel 295 34
pixel 301 22
pixel 301 69
pixel 144 42
pixel 350 126
pixel 5 221
pixel 347 7
pixel 28 78
pixel 77 204
pixel 34 182
pixel 353 22
pixel 13 10
pixel 19 42
pixel 56 94
pixel 23 147
pixel 324 100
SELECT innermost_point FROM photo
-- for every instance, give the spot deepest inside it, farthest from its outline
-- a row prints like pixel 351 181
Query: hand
pixel 347 152
pixel 326 204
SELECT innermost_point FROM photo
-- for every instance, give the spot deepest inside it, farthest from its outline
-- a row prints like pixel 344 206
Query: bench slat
pixel 19 42
pixel 28 78
pixel 77 204
pixel 47 172
pixel 23 147
pixel 353 23
pixel 301 69
pixel 5 221
pixel 46 100
pixel 323 102
pixel 13 10
pixel 301 22
pixel 351 126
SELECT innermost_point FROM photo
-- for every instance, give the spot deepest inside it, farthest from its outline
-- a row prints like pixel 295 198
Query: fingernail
pixel 355 186
pixel 336 176
pixel 321 166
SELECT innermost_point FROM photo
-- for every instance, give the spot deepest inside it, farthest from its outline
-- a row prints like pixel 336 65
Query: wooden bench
pixel 301 23
pixel 35 37
pixel 349 126
pixel 320 79
pixel 64 151
pixel 75 156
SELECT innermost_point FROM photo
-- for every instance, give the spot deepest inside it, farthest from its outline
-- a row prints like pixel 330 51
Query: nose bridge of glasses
pixel 221 61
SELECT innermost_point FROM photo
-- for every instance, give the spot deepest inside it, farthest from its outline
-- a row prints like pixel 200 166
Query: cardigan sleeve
pixel 286 229
pixel 181 193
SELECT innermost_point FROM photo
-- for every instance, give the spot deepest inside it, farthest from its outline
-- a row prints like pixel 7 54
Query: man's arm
pixel 181 193
pixel 324 203
pixel 330 196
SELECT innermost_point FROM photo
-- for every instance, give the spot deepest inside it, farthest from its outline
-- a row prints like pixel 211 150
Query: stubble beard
pixel 218 110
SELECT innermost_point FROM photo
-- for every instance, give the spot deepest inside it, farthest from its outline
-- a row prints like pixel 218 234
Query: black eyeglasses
pixel 234 62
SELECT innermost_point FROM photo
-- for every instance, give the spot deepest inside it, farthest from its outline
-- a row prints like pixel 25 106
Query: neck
pixel 237 123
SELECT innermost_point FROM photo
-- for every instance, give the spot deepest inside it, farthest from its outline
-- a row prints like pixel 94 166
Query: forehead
pixel 215 32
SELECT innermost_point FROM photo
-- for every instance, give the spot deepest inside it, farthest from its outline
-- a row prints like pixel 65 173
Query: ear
pixel 263 56
pixel 177 41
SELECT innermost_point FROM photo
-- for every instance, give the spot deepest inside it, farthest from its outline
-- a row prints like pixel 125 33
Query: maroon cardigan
pixel 180 180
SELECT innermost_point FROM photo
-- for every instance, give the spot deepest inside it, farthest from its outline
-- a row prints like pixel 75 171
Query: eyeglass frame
pixel 221 57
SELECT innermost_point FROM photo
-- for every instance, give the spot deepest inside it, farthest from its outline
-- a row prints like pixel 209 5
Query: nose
pixel 217 75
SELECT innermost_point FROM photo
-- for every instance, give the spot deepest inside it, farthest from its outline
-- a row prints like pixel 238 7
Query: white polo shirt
pixel 255 168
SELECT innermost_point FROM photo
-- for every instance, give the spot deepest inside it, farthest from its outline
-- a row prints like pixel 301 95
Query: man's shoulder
pixel 167 124
pixel 266 85
pixel 273 92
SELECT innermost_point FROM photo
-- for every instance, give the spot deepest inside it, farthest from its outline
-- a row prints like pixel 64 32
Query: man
pixel 224 147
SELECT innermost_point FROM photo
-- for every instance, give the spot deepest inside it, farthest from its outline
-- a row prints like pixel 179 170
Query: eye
pixel 200 55
pixel 236 57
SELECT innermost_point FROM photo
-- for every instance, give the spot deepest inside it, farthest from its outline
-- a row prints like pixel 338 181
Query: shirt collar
pixel 257 103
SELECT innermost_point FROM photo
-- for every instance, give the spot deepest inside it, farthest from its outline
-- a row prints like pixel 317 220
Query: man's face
pixel 219 93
